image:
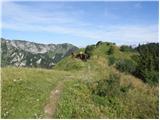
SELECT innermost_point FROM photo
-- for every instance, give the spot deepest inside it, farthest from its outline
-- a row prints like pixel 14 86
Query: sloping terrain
pixel 28 54
pixel 102 91
pixel 95 88
pixel 25 91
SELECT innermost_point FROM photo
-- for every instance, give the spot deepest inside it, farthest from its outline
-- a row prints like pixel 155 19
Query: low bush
pixel 110 87
pixel 89 49
pixel 107 87
pixel 151 77
pixel 125 48
pixel 111 50
pixel 99 43
pixel 111 60
pixel 148 63
pixel 125 65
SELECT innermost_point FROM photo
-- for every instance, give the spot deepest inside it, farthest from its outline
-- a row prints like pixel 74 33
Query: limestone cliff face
pixel 30 54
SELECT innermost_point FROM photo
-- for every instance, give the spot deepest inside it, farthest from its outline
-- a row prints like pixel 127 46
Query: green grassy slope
pixel 93 89
pixel 129 97
pixel 26 90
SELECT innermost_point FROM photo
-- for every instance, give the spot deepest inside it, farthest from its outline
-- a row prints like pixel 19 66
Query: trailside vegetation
pixel 148 63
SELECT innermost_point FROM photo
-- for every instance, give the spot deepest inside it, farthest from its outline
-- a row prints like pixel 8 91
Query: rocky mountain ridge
pixel 29 54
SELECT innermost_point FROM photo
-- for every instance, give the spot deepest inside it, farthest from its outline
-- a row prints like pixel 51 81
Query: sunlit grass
pixel 77 100
pixel 26 90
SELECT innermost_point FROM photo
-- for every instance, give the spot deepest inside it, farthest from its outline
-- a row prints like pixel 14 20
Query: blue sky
pixel 81 23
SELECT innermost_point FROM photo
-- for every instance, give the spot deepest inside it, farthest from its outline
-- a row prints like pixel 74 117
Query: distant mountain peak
pixel 25 53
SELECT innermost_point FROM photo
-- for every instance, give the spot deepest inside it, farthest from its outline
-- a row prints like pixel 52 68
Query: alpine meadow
pixel 79 60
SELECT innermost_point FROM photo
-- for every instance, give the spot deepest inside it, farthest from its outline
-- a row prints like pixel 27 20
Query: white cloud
pixel 25 14
pixel 22 18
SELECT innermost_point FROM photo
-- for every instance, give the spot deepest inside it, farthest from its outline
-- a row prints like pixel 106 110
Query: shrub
pixel 125 65
pixel 89 49
pixel 110 43
pixel 148 63
pixel 99 43
pixel 108 87
pixel 125 88
pixel 111 50
pixel 125 48
pixel 151 77
pixel 111 60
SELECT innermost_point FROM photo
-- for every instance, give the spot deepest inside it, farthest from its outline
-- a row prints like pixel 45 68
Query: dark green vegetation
pixel 126 65
pixel 105 86
pixel 144 63
pixel 148 63
pixel 125 48
pixel 103 91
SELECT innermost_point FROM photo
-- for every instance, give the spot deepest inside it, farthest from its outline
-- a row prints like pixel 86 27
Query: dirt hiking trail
pixel 50 107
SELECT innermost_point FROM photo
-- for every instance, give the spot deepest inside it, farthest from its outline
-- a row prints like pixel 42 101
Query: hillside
pixel 28 54
pixel 97 88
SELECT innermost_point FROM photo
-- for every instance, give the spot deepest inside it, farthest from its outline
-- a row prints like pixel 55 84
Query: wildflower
pixel 14 80
pixel 36 115
pixel 4 114
pixel 37 100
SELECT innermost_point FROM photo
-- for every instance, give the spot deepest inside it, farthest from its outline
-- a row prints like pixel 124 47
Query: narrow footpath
pixel 50 107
